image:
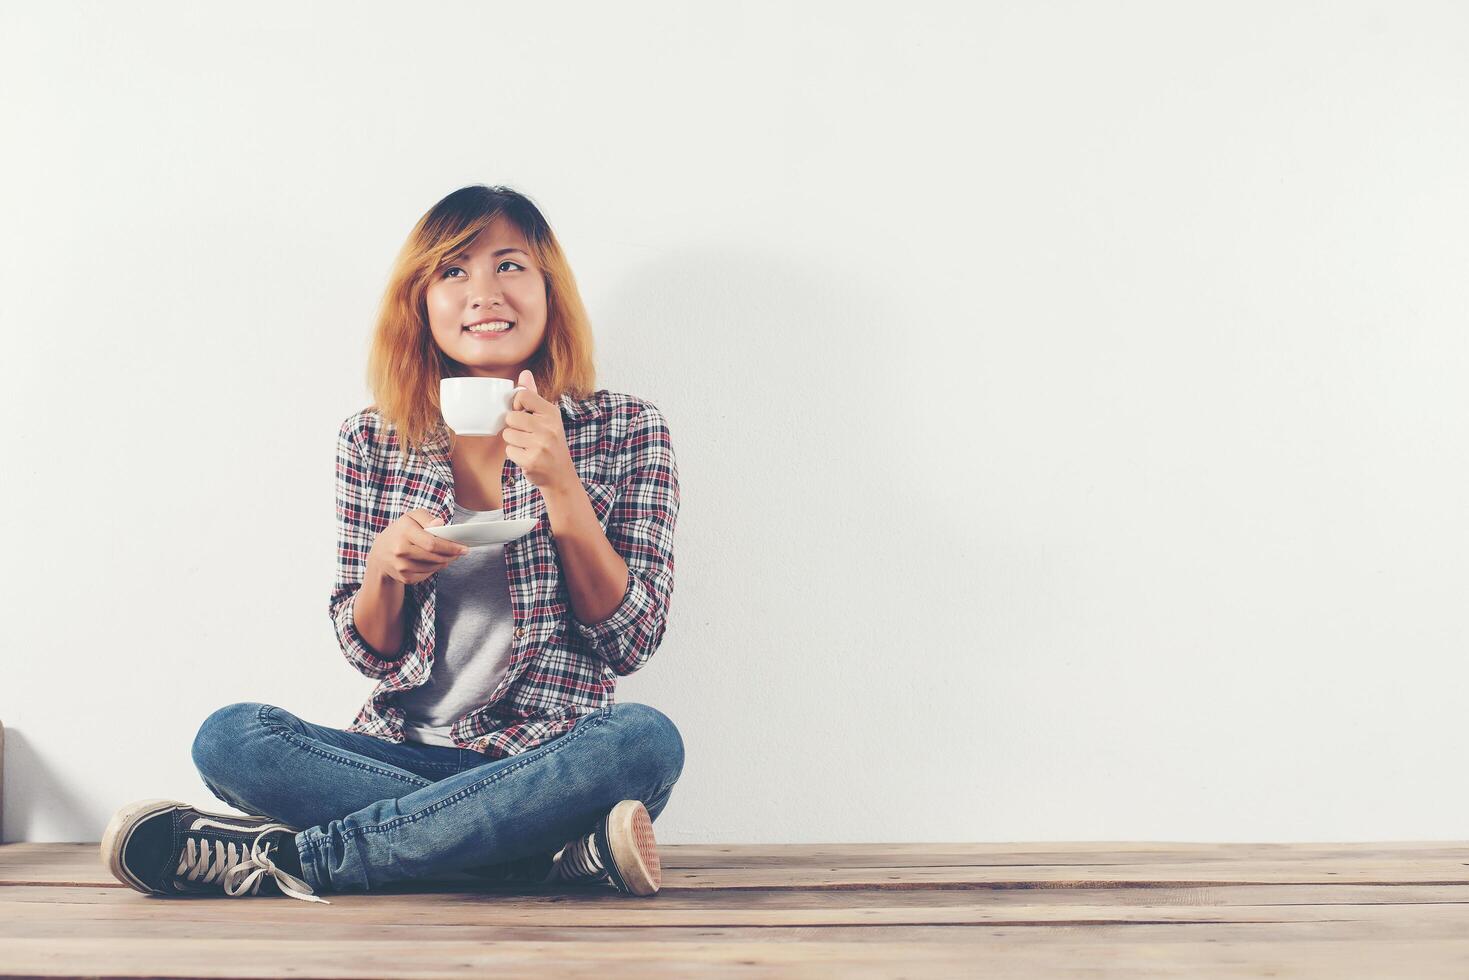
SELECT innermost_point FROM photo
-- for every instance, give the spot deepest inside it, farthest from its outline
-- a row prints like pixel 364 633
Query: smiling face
pixel 494 278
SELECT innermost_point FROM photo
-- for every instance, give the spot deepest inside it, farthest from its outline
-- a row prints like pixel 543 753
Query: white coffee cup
pixel 476 406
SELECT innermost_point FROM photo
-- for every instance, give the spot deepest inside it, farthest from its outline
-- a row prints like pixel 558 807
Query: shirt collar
pixel 580 409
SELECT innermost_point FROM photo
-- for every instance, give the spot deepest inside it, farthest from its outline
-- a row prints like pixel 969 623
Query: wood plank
pixel 411 902
pixel 185 916
pixel 446 901
pixel 1395 909
pixel 1139 957
pixel 79 864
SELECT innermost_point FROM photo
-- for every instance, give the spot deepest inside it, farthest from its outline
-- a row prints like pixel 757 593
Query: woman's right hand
pixel 406 553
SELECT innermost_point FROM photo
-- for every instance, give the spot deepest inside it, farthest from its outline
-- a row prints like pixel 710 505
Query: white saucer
pixel 477 533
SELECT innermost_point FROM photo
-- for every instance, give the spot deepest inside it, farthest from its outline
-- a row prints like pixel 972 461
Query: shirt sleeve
pixel 640 528
pixel 355 535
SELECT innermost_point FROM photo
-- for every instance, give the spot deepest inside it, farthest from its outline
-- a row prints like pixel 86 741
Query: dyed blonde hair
pixel 404 364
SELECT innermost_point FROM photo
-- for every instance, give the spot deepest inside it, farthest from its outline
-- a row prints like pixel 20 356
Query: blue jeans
pixel 376 811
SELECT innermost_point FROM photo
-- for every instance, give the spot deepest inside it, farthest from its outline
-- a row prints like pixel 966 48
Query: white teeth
pixel 498 326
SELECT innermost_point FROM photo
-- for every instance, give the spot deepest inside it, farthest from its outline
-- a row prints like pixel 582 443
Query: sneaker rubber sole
pixel 115 839
pixel 634 848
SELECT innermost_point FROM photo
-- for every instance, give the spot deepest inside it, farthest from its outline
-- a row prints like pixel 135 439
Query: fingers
pixel 432 544
pixel 424 552
pixel 428 544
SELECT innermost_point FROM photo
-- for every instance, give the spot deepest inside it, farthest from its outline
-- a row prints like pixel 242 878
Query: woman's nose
pixel 487 298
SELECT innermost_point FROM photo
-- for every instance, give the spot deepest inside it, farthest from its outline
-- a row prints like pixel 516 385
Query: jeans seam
pixel 296 739
pixel 547 749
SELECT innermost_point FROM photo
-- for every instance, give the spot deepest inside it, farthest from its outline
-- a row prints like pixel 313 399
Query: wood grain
pixel 862 910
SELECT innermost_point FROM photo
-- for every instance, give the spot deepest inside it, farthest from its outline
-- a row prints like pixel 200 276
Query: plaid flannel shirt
pixel 560 668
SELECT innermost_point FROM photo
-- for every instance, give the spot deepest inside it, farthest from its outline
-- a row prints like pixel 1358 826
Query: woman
pixel 491 742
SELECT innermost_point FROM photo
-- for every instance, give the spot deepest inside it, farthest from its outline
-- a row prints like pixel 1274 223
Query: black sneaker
pixel 164 847
pixel 620 851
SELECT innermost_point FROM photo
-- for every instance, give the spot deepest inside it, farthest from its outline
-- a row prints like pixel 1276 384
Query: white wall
pixel 1068 397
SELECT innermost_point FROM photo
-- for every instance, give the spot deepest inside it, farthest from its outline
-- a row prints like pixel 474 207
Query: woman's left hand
pixel 535 440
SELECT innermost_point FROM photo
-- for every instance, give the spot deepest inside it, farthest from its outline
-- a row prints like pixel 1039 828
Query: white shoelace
pixel 578 861
pixel 238 870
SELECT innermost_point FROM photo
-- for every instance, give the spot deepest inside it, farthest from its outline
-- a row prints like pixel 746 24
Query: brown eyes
pixel 501 266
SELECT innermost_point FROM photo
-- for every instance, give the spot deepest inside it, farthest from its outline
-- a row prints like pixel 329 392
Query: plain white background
pixel 1068 398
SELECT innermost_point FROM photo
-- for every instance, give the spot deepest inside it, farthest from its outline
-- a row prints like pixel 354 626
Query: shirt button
pixel 519 632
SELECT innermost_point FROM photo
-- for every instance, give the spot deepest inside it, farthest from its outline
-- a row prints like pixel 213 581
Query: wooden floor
pixel 898 910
